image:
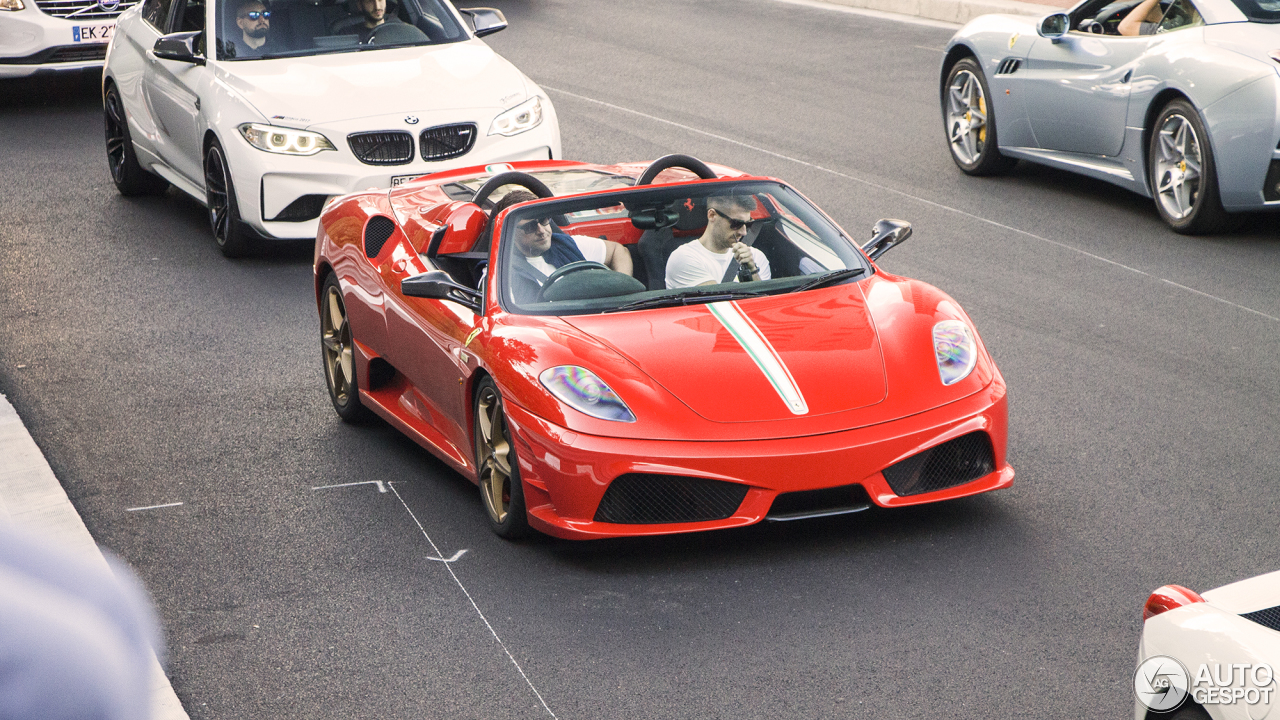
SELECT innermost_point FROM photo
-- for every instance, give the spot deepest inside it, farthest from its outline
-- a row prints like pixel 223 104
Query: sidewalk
pixel 31 497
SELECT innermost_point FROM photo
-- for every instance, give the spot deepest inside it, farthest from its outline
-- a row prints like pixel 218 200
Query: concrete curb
pixel 951 11
pixel 32 497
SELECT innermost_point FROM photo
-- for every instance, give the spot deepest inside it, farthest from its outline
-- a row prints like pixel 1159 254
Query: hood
pixel 1247 596
pixel 306 91
pixel 773 358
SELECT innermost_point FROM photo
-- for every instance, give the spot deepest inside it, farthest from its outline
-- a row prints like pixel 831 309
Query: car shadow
pixel 71 91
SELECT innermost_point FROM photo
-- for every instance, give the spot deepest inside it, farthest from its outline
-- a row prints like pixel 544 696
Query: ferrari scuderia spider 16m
pixel 587 402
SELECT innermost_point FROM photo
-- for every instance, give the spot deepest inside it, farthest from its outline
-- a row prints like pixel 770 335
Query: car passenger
pixel 1142 20
pixel 373 14
pixel 543 248
pixel 254 21
pixel 710 258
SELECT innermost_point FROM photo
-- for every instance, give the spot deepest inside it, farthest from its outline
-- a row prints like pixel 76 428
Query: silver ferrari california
pixel 1187 111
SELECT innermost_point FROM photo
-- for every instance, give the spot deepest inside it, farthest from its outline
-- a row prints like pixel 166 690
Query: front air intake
pixel 385 147
pixel 447 141
pixel 952 463
pixel 641 499
pixel 1269 617
pixel 376 233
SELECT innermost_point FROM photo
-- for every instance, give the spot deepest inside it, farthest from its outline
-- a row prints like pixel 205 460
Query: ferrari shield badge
pixel 1013 39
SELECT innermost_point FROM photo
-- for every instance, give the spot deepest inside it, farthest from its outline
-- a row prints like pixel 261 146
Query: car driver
pixel 709 259
pixel 254 20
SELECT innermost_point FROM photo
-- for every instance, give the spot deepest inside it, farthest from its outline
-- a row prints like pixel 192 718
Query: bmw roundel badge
pixel 411 119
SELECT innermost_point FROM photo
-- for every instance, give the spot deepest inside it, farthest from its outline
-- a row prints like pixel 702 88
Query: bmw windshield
pixel 669 245
pixel 262 29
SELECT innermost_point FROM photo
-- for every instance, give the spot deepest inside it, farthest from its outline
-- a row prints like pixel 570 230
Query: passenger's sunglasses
pixel 734 224
pixel 255 14
pixel 529 225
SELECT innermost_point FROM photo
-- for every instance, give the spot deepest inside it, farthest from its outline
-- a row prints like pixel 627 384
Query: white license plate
pixel 399 180
pixel 92 33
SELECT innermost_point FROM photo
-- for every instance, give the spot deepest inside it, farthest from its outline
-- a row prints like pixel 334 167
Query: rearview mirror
pixel 886 233
pixel 1055 26
pixel 182 47
pixel 486 21
pixel 437 285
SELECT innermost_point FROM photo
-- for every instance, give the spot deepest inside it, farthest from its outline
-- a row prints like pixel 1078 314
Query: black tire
pixel 233 238
pixel 337 349
pixel 501 492
pixel 968 122
pixel 1186 196
pixel 126 173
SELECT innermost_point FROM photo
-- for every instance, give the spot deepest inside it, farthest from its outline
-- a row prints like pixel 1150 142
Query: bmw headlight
pixel 11 5
pixel 284 141
pixel 525 116
pixel 955 351
pixel 580 389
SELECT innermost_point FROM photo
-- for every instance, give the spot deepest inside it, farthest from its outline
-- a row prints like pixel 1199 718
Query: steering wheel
pixel 569 269
pixel 395 33
pixel 513 177
pixel 687 162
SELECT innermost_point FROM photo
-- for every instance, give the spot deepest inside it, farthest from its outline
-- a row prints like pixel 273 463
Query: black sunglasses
pixel 255 14
pixel 529 225
pixel 734 224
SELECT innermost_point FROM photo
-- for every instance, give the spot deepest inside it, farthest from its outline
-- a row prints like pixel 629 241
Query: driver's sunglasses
pixel 734 224
pixel 255 14
pixel 529 225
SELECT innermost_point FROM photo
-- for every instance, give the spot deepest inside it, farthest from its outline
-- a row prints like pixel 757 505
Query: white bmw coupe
pixel 1211 656
pixel 264 109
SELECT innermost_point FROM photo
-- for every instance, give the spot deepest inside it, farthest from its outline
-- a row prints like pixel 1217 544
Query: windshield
pixel 257 29
pixel 1266 11
pixel 660 246
pixel 560 182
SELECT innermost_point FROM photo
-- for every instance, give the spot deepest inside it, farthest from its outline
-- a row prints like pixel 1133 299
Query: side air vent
pixel 307 207
pixel 1009 66
pixel 952 463
pixel 447 141
pixel 376 232
pixel 642 499
pixel 386 147
pixel 1269 617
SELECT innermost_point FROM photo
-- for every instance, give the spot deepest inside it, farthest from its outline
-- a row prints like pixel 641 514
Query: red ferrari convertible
pixel 646 349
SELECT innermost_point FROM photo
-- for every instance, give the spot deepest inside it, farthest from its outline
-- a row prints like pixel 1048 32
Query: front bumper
pixel 565 474
pixel 32 42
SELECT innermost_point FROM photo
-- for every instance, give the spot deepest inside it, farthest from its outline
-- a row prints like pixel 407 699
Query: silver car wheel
pixel 1178 166
pixel 966 117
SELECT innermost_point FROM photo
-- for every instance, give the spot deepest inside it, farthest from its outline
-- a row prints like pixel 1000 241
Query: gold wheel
pixel 337 349
pixel 493 452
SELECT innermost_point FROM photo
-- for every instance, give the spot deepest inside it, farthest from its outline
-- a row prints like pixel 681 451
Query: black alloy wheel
pixel 496 465
pixel 337 348
pixel 1183 177
pixel 220 196
pixel 970 121
pixel 126 173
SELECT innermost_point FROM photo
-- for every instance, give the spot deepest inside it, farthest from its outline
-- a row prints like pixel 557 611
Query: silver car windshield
pixel 263 29
pixel 652 247
pixel 1264 11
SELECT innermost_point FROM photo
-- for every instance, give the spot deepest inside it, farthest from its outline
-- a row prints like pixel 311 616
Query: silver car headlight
pixel 955 350
pixel 284 141
pixel 580 389
pixel 11 5
pixel 525 116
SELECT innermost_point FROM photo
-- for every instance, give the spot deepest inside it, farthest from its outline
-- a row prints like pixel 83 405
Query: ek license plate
pixel 92 33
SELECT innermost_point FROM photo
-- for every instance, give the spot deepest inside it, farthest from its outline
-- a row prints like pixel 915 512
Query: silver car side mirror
pixel 1054 26
pixel 887 233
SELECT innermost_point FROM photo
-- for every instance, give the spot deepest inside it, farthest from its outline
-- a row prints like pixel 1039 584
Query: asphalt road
pixel 1142 369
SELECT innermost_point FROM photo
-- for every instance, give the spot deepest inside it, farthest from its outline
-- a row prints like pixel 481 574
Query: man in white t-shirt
pixel 707 260
pixel 544 249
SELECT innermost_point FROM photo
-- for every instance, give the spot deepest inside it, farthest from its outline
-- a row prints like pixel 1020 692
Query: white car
pixel 55 35
pixel 330 102
pixel 1213 655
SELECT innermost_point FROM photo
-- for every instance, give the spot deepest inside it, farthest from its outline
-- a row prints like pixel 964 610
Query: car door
pixel 1076 90
pixel 131 51
pixel 173 89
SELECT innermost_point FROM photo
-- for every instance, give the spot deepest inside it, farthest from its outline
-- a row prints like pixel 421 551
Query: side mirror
pixel 437 285
pixel 486 21
pixel 182 47
pixel 1054 26
pixel 886 233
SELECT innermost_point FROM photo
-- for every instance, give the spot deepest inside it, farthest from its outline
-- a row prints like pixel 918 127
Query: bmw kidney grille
pixel 447 141
pixel 382 147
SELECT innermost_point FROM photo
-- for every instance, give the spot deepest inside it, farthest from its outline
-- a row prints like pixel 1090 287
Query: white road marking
pixel 153 507
pixel 448 566
pixel 904 194
pixel 382 487
pixel 455 557
pixel 880 14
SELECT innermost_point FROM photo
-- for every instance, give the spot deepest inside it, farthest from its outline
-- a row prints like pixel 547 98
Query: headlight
pixel 581 390
pixel 11 5
pixel 955 351
pixel 283 140
pixel 525 116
